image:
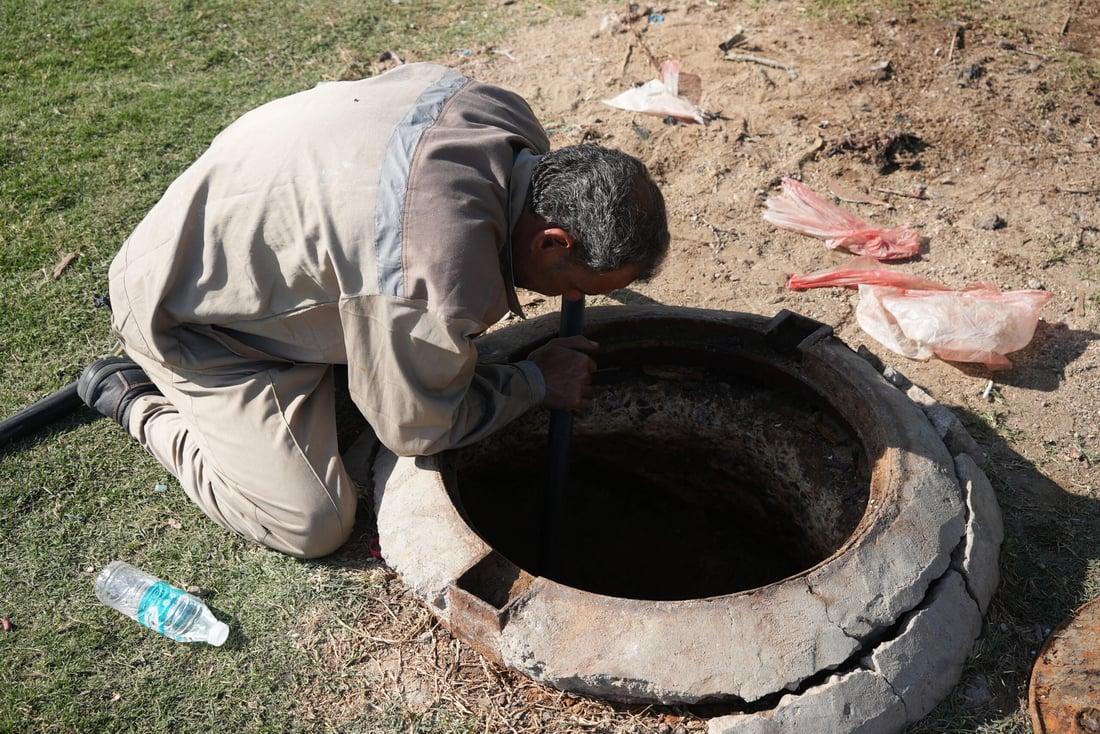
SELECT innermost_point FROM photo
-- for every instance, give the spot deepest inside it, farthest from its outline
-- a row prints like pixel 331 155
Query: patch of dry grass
pixel 392 665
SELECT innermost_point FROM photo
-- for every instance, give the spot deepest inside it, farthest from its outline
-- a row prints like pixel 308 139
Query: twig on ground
pixel 384 605
pixel 63 265
pixel 856 199
pixel 754 59
pixel 918 194
pixel 957 38
pixel 717 233
pixel 795 164
pixel 1069 18
pixel 1009 46
pixel 1075 190
pixel 626 59
pixel 652 59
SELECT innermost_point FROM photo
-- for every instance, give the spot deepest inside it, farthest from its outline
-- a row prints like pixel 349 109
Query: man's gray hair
pixel 608 202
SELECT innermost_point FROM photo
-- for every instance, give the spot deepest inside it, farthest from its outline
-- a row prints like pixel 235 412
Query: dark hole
pixel 683 485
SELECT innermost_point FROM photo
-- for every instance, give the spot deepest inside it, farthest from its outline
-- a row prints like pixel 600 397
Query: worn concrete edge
pixel 978 557
pixel 941 426
pixel 954 434
pixel 525 635
pixel 983 537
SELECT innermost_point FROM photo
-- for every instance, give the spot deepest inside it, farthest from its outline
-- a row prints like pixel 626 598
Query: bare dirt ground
pixel 982 130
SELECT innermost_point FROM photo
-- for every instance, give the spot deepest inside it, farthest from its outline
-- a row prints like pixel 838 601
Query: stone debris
pixel 955 436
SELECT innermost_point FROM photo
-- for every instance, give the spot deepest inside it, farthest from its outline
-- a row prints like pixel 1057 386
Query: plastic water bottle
pixel 158 605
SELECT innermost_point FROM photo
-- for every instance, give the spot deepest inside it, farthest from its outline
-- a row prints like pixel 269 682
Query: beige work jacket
pixel 364 222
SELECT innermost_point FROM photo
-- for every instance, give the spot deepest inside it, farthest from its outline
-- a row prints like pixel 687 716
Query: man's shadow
pixel 1052 540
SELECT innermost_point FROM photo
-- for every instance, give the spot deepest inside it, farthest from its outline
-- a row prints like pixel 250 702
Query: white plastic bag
pixel 660 97
pixel 800 210
pixel 979 324
pixel 919 318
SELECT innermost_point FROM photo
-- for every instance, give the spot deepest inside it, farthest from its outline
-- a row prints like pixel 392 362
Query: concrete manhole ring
pixel 760 519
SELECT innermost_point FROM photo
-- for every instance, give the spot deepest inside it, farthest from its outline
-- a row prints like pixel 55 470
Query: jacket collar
pixel 523 167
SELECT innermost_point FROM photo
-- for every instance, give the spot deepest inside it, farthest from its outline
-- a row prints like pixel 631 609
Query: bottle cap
pixel 219 632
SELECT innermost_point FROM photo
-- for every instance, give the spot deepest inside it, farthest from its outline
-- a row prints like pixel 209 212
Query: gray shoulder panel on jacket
pixel 394 177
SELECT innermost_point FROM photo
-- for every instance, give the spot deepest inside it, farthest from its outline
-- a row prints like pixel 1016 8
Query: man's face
pixel 542 261
pixel 572 281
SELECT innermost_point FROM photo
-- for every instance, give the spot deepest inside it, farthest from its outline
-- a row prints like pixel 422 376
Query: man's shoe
pixel 110 386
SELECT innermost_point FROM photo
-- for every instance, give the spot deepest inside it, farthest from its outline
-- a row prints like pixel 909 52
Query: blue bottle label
pixel 155 605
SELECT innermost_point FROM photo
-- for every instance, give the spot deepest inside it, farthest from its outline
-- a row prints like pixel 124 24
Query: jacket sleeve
pixel 415 377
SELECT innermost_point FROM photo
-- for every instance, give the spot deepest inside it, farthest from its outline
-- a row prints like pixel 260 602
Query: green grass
pixel 102 105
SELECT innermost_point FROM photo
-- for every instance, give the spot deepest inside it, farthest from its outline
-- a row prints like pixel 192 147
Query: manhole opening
pixel 686 482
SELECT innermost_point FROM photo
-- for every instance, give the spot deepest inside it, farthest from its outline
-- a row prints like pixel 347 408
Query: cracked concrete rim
pixel 870 639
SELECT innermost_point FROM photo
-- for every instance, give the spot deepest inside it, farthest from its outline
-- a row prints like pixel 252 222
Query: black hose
pixel 44 412
pixel 561 433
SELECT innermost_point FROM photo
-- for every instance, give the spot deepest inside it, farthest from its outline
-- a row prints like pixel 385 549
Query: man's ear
pixel 551 237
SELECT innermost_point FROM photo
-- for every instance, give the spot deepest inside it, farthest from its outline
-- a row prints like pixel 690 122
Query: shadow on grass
pixel 1048 569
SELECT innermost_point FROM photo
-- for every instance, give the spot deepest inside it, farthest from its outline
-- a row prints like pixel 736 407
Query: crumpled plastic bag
pixel 801 210
pixel 660 97
pixel 919 318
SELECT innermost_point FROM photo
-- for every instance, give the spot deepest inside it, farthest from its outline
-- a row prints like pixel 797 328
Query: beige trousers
pixel 254 446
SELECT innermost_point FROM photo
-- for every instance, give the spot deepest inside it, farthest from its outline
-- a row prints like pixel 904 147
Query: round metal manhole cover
pixel 1065 682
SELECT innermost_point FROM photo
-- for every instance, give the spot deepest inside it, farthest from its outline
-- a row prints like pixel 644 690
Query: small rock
pixel 990 221
pixel 1035 285
pixel 6 624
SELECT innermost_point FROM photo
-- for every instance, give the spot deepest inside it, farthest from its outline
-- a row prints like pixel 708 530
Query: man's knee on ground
pixel 321 532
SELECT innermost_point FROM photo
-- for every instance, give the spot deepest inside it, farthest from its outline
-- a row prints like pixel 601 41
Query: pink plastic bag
pixel 919 318
pixel 660 97
pixel 800 210
pixel 861 270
